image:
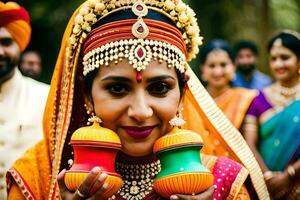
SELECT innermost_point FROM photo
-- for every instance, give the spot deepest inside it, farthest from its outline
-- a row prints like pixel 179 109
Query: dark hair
pixel 89 78
pixel 246 44
pixel 213 45
pixel 289 41
pixel 29 52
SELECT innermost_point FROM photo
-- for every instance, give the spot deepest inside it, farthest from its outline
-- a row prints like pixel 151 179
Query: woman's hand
pixel 206 195
pixel 94 179
pixel 278 184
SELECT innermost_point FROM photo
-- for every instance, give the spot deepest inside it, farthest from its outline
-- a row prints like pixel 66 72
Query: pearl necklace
pixel 282 96
pixel 288 91
pixel 138 179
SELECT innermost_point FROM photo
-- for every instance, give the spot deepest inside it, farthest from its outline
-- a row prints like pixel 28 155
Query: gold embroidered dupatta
pixel 36 172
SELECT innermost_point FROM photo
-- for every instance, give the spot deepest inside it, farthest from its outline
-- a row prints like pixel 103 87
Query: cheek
pixel 293 65
pixel 107 108
pixel 229 71
pixel 13 52
pixel 167 108
pixel 206 72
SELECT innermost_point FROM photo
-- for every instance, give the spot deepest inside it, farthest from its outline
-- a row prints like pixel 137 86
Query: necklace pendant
pixel 134 190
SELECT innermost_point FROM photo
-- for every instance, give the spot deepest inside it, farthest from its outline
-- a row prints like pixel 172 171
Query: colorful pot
pixel 181 169
pixel 94 146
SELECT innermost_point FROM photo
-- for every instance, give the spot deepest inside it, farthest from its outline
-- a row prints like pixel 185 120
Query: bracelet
pixel 268 175
pixel 291 171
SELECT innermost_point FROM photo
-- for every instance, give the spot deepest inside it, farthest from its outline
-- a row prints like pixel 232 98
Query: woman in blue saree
pixel 272 123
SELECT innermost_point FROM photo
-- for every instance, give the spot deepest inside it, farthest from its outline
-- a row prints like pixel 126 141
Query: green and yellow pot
pixel 182 171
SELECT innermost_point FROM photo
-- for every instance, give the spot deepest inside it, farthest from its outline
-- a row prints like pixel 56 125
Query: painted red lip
pixel 138 131
pixel 280 70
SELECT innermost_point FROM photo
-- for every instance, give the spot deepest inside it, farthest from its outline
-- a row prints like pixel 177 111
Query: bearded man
pixel 22 99
pixel 247 75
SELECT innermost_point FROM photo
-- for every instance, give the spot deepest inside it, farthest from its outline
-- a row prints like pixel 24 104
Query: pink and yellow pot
pixel 94 146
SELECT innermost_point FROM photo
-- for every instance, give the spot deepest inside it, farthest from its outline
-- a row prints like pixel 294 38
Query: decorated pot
pixel 182 171
pixel 94 146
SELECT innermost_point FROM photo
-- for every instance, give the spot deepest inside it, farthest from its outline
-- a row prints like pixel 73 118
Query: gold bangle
pixel 291 171
pixel 268 175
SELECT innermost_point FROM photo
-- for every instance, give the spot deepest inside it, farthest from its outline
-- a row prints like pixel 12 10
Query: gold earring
pixel 89 110
pixel 92 116
pixel 95 119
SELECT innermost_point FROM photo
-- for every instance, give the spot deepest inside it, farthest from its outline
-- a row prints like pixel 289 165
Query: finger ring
pixel 81 195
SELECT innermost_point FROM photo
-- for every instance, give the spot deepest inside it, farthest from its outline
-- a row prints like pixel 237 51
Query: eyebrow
pixel 125 79
pixel 116 78
pixel 160 78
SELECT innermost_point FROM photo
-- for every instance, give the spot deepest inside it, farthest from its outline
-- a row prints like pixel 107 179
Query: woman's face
pixel 218 69
pixel 284 64
pixel 138 112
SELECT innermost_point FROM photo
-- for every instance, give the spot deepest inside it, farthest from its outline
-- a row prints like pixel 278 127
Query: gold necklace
pixel 288 91
pixel 138 179
pixel 281 96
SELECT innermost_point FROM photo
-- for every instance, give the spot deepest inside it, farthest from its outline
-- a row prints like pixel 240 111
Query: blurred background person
pixel 22 99
pixel 272 124
pixel 217 71
pixel 247 75
pixel 31 64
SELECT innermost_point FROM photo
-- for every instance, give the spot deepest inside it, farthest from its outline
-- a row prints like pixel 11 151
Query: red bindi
pixel 139 76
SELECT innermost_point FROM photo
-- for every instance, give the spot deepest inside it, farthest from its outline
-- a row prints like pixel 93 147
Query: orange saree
pixel 235 103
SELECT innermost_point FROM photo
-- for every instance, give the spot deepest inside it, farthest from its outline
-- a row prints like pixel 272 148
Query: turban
pixel 16 21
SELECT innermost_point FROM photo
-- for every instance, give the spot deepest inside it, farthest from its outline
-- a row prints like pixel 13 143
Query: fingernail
pixel 102 177
pixel 105 186
pixel 174 197
pixel 215 186
pixel 96 170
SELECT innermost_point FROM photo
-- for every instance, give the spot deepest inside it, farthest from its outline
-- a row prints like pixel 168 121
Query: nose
pixel 277 63
pixel 218 70
pixel 139 108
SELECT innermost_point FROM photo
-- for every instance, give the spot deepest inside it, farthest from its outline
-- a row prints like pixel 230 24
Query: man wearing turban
pixel 22 99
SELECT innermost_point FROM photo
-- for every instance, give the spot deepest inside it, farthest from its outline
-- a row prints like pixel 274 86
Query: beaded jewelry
pixel 138 179
pixel 177 120
pixel 139 52
pixel 140 49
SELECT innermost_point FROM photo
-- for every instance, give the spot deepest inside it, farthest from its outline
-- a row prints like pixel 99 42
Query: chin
pixel 282 78
pixel 137 152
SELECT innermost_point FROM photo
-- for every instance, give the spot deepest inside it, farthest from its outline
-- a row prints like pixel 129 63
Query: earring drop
pixel 92 116
pixel 177 120
pixel 95 118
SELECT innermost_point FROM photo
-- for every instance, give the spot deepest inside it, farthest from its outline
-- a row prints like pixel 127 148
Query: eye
pixel 272 58
pixel 6 42
pixel 159 88
pixel 223 65
pixel 285 57
pixel 211 65
pixel 118 89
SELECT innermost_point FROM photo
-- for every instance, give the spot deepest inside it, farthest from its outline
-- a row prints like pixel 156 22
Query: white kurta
pixel 22 103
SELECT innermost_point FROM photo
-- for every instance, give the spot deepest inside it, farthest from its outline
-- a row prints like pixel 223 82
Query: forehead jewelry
pixel 140 30
pixel 139 50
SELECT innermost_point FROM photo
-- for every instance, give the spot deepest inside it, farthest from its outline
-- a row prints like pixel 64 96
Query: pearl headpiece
pixel 139 49
pixel 139 52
